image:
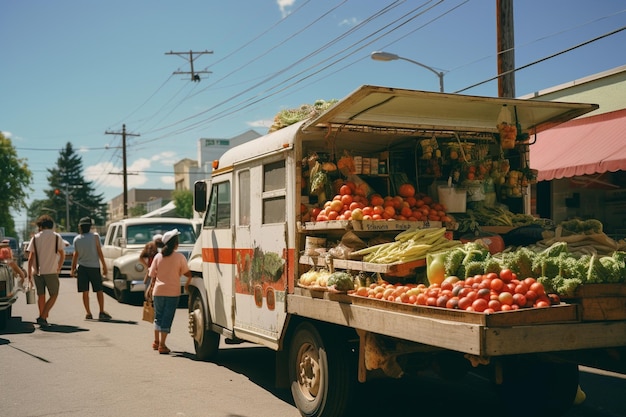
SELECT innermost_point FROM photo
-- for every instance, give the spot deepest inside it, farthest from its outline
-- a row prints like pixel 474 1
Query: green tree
pixel 183 199
pixel 70 196
pixel 137 211
pixel 15 181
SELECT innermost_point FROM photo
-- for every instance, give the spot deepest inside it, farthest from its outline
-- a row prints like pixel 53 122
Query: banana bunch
pixel 408 246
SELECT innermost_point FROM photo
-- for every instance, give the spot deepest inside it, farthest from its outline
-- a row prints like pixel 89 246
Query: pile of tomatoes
pixel 352 203
pixel 487 293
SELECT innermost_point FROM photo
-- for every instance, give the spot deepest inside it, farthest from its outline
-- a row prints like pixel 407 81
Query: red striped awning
pixel 585 146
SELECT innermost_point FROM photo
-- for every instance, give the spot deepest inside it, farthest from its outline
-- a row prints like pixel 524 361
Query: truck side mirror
pixel 199 196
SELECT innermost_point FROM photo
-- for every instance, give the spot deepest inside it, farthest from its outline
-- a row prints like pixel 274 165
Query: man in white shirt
pixel 45 259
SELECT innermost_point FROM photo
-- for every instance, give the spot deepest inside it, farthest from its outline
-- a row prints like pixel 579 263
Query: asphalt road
pixel 81 367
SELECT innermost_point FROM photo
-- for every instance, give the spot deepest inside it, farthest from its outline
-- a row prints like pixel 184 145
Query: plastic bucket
pixel 454 199
pixel 30 296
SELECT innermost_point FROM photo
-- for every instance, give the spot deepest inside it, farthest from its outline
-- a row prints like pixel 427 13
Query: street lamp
pixel 387 56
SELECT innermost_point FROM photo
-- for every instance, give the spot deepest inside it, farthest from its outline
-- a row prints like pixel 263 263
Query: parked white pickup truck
pixel 124 241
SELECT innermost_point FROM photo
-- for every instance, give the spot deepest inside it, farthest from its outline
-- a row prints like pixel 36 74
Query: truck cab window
pixel 274 192
pixel 244 198
pixel 218 214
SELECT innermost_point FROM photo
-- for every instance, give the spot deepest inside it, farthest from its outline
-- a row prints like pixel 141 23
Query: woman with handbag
pixel 166 269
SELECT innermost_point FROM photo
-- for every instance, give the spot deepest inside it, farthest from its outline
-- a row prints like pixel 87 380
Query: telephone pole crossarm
pixel 194 74
pixel 124 171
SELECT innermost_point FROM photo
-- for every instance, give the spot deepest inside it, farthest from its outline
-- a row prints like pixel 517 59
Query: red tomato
pixel 346 199
pixel 538 288
pixel 529 281
pixel 480 304
pixel 345 190
pixel 495 305
pixel 521 288
pixel 506 298
pixel 519 300
pixel 506 275
pixel 464 303
pixel 453 303
pixel 540 304
pixel 497 284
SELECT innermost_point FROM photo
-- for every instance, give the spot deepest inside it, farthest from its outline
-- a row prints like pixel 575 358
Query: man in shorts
pixel 86 267
pixel 45 259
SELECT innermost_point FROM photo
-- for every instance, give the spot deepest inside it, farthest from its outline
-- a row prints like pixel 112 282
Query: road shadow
pixel 15 325
pixel 62 328
pixel 115 321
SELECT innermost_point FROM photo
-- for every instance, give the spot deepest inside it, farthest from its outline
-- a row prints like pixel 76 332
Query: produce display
pixel 353 202
pixel 410 245
pixel 488 293
pixel 497 215
pixel 559 270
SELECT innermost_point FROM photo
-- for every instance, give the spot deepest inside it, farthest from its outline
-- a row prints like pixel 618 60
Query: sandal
pixel 155 345
pixel 163 350
pixel 88 316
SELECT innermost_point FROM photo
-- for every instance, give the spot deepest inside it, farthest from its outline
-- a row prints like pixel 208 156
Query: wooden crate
pixel 524 317
pixel 599 302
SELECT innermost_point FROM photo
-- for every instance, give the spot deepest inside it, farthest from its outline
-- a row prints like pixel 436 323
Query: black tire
pixel 122 296
pixel 206 342
pixel 553 384
pixel 320 374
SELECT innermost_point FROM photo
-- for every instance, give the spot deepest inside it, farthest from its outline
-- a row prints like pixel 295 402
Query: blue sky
pixel 73 69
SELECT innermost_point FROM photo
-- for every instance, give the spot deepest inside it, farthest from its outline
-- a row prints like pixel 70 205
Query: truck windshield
pixel 141 234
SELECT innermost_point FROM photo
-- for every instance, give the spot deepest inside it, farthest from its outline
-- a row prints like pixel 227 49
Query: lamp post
pixel 387 56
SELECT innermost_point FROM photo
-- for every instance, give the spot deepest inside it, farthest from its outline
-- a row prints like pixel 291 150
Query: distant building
pixel 150 199
pixel 187 171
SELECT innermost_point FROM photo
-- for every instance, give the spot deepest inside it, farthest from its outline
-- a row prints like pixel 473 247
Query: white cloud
pixel 167 180
pixel 7 134
pixel 266 123
pixel 283 5
pixel 352 21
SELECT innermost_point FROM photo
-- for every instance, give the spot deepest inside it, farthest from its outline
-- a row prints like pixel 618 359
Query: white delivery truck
pixel 255 243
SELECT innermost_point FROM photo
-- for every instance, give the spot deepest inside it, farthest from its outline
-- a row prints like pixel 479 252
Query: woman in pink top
pixel 166 269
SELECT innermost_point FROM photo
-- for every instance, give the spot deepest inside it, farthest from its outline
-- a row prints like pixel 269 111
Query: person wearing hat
pixel 46 264
pixel 6 256
pixel 86 267
pixel 146 257
pixel 166 269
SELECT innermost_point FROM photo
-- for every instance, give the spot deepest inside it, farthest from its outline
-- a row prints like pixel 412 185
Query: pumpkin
pixel 406 190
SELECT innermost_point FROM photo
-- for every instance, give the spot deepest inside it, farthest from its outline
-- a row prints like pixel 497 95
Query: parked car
pixel 124 241
pixel 68 240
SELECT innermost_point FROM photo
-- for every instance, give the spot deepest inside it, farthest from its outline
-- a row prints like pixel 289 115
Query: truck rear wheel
pixel 554 385
pixel 205 342
pixel 319 373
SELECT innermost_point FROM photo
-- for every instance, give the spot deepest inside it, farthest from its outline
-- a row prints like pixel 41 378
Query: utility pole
pixel 506 48
pixel 124 171
pixel 194 74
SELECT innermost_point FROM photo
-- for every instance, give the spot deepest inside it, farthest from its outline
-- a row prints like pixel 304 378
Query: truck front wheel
pixel 319 373
pixel 205 341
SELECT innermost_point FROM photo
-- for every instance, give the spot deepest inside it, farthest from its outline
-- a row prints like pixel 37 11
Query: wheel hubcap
pixel 309 371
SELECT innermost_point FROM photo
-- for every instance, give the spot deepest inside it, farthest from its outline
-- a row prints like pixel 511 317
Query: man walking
pixel 88 256
pixel 45 259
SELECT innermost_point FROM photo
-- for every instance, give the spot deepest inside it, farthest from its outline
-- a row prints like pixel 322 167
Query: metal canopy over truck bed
pixel 384 107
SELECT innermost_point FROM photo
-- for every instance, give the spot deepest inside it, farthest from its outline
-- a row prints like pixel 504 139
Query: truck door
pixel 261 251
pixel 218 253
